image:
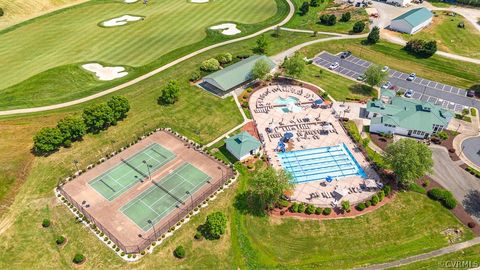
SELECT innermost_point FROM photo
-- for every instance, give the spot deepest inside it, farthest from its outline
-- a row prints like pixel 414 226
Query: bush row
pixel 375 199
pixel 309 209
pixel 473 171
pixel 445 197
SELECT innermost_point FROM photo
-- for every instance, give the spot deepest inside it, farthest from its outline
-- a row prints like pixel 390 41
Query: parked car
pixel 385 69
pixel 411 77
pixel 361 78
pixel 470 93
pixel 345 54
pixel 393 87
pixel 334 66
pixel 357 4
pixel 409 93
pixel 386 85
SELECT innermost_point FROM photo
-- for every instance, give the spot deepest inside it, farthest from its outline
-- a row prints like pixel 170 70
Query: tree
pixel 328 19
pixel 224 58
pixel 266 186
pixel 98 117
pixel 209 65
pixel 374 35
pixel 304 8
pixel 346 206
pixel 277 31
pixel 179 252
pixel 374 75
pixel 294 66
pixel 409 160
pixel 119 106
pixel 170 93
pixel 261 45
pixel 358 27
pixel 47 140
pixel 215 225
pixel 72 127
pixel 421 48
pixel 261 69
pixel 314 3
pixel 346 17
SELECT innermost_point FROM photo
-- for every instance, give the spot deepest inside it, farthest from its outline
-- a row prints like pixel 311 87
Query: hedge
pixel 360 206
pixel 310 209
pixel 445 197
pixel 327 211
pixel 318 210
pixel 473 171
pixel 301 208
pixel 294 207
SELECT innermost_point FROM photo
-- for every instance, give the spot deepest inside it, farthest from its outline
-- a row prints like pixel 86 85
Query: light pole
pixel 76 164
pixel 148 168
pixel 191 197
pixel 144 126
pixel 111 143
pixel 151 224
pixel 220 168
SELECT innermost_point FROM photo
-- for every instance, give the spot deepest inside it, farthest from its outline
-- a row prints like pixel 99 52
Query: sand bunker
pixel 105 73
pixel 229 29
pixel 121 20
pixel 130 1
pixel 199 1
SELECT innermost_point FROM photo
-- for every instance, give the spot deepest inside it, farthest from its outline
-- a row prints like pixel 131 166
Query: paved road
pixel 151 73
pixel 471 149
pixel 425 256
pixel 447 96
pixel 464 186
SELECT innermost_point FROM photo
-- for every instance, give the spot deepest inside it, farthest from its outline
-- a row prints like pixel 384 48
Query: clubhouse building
pixel 243 145
pixel 407 117
pixel 412 21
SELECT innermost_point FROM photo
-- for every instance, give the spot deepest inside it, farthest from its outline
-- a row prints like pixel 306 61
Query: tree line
pixel 94 119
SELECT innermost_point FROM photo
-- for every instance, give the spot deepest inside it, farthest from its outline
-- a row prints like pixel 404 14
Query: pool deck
pixel 267 115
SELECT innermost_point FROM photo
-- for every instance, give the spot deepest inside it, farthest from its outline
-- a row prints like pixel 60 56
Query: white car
pixel 385 69
pixel 386 85
pixel 334 66
pixel 411 77
pixel 408 93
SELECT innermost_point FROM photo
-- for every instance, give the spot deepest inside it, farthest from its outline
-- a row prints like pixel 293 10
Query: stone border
pixel 132 257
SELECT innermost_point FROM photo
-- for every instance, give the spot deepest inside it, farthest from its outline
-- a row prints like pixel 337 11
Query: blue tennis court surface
pixel 319 163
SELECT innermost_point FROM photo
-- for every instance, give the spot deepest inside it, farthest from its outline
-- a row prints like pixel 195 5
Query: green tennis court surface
pixel 161 198
pixel 120 178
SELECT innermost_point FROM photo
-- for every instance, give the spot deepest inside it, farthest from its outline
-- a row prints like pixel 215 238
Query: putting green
pixel 164 195
pixel 138 167
pixel 73 35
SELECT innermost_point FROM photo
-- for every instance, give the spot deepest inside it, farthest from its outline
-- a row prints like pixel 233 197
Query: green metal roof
pixel 415 16
pixel 236 74
pixel 241 144
pixel 410 114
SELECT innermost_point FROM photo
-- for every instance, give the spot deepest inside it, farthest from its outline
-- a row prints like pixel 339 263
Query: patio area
pixel 291 111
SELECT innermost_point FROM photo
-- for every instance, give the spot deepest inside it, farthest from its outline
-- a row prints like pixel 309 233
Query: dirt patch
pixel 380 141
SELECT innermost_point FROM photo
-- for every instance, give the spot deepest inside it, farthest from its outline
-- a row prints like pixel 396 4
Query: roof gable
pixel 415 16
pixel 242 143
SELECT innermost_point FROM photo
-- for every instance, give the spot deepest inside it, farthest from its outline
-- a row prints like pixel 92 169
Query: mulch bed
pixel 448 143
pixel 380 141
pixel 458 211
pixel 337 213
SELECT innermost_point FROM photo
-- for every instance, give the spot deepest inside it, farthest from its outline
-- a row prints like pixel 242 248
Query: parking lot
pixel 447 96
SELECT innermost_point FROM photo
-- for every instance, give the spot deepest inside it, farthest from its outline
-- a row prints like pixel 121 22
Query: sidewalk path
pixel 424 256
pixel 151 73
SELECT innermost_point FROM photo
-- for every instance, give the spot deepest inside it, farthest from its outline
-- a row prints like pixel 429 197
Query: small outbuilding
pixel 412 21
pixel 400 3
pixel 243 145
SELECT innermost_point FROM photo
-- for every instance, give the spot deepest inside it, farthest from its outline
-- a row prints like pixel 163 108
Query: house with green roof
pixel 233 76
pixel 242 145
pixel 412 21
pixel 407 117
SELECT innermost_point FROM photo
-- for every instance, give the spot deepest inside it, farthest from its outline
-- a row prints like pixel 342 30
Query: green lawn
pixel 49 45
pixel 452 72
pixel 310 20
pixel 340 88
pixel 450 38
pixel 469 257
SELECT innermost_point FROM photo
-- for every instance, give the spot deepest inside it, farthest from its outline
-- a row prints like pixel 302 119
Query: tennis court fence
pixel 158 230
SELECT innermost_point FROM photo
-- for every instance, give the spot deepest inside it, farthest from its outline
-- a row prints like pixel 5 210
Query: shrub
pixel 294 207
pixel 143 252
pixel 368 203
pixel 60 240
pixel 304 8
pixel 381 195
pixel 445 197
pixel 310 209
pixel 283 203
pixel 327 211
pixel 387 189
pixel 210 65
pixel 314 3
pixel 426 183
pixel 328 19
pixel 417 188
pixel 346 206
pixel 78 258
pixel 374 35
pixel 170 93
pixel 471 225
pixel 215 225
pixel 46 223
pixel 421 47
pixel 47 140
pixel 375 200
pixel 358 27
pixel 473 111
pixel 449 202
pixel 224 58
pixel 442 135
pixel 195 76
pixel 179 252
pixel 346 17
pixel 361 206
pixel 198 235
pixel 318 211
pixel 1 12
pixel 435 194
pixel 301 208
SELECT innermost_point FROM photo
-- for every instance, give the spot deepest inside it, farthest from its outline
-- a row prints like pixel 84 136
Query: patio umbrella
pixel 318 102
pixel 329 179
pixel 288 135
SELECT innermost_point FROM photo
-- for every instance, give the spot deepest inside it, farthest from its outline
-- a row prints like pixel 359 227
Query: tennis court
pixel 164 195
pixel 138 167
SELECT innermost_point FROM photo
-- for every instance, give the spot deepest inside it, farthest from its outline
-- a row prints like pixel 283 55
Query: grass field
pixel 448 71
pixel 310 20
pixel 444 29
pixel 35 47
pixel 338 87
pixel 469 256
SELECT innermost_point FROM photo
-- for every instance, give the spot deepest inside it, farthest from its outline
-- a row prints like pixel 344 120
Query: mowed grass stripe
pixel 73 36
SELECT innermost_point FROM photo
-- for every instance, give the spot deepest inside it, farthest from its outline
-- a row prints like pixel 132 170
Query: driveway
pixel 465 187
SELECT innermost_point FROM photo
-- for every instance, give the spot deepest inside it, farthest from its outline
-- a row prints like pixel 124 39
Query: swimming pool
pixel 319 163
pixel 287 101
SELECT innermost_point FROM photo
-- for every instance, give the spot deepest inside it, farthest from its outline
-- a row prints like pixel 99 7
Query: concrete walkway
pixel 424 256
pixel 151 73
